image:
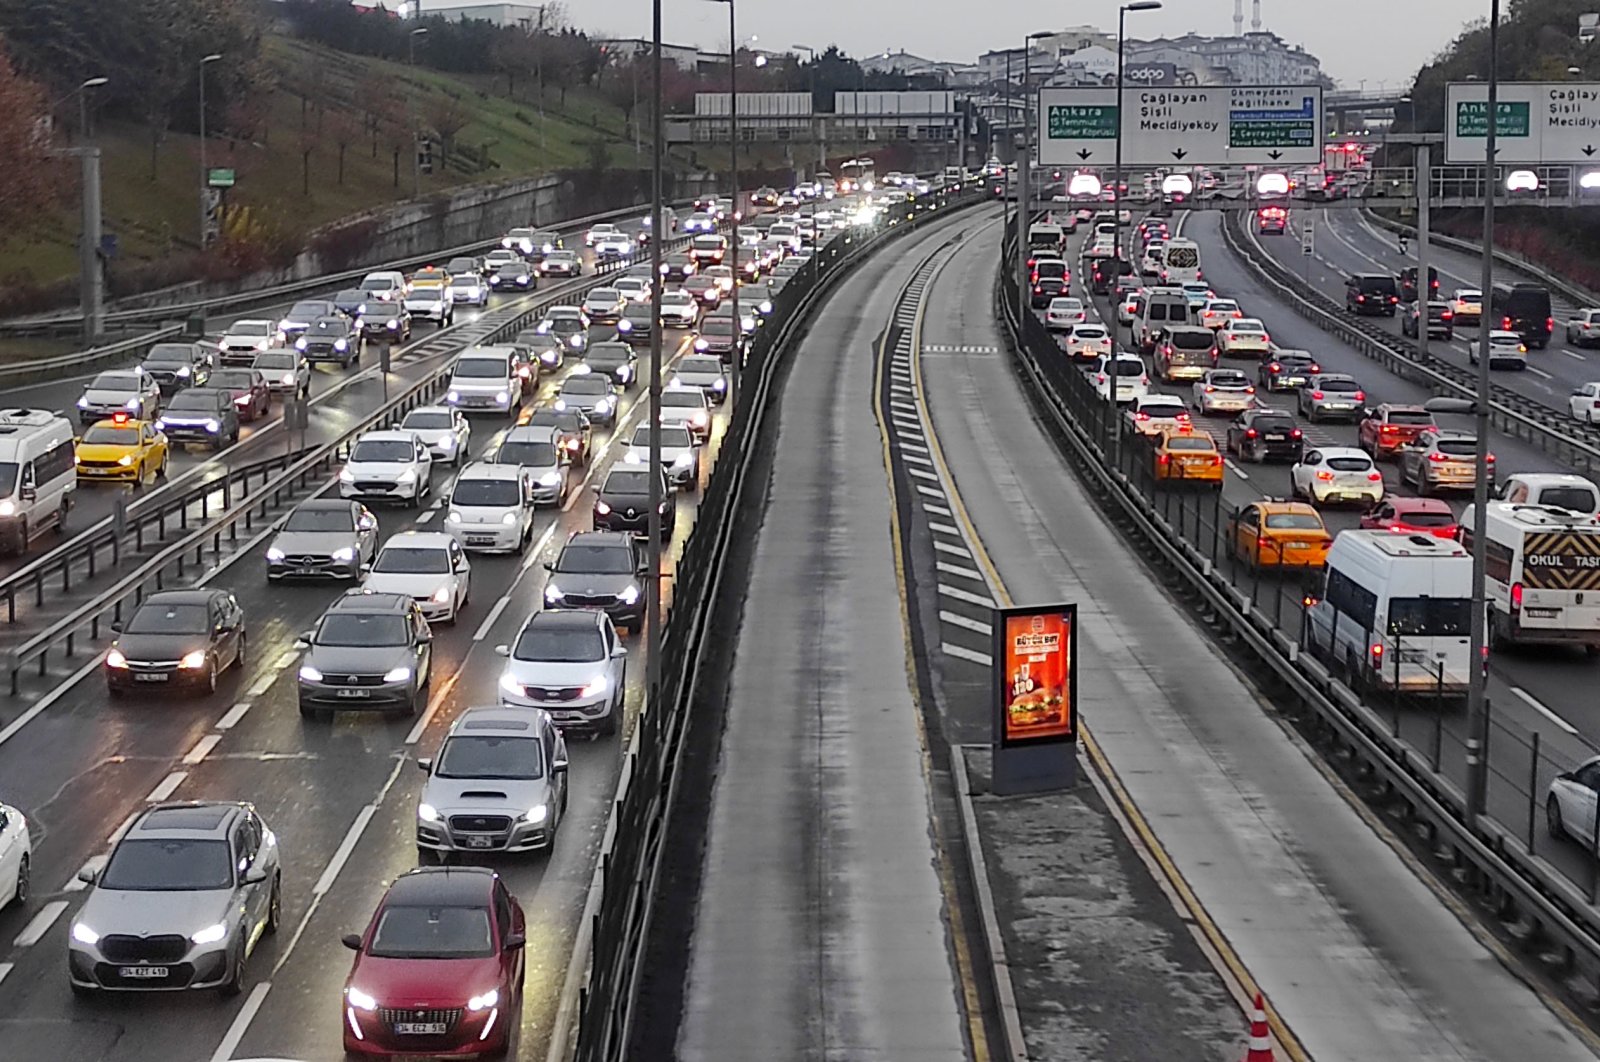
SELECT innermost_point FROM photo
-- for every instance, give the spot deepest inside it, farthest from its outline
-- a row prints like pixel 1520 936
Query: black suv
pixel 622 502
pixel 369 651
pixel 1371 295
pixel 1265 434
pixel 204 415
pixel 599 569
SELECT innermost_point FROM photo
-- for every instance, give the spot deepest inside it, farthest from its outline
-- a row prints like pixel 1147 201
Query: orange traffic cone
pixel 1260 1036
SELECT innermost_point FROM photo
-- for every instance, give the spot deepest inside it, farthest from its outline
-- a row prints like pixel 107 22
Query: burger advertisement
pixel 1035 677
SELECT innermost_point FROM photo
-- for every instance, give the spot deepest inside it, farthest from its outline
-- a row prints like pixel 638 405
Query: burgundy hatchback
pixel 439 970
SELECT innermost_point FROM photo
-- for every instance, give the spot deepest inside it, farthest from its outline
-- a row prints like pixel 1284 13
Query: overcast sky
pixel 1376 40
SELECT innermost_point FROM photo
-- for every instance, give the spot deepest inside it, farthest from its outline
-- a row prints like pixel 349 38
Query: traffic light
pixel 425 154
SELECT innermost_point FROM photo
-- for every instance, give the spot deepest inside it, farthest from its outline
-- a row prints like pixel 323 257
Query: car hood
pixel 105 451
pixel 317 543
pixel 425 984
pixel 591 583
pixel 323 339
pixel 378 469
pixel 261 342
pixel 191 416
pixel 104 396
pixel 637 502
pixel 154 647
pixel 485 795
pixel 411 585
pixel 479 386
pixel 139 913
pixel 548 673
pixel 359 659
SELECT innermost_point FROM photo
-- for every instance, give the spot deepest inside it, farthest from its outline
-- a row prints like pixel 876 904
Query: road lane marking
pixel 489 620
pixel 433 708
pixel 1572 355
pixel 167 787
pixel 202 749
pixel 1540 372
pixel 956 569
pixel 35 930
pixel 5 968
pixel 954 551
pixel 94 864
pixel 241 1022
pixel 958 620
pixel 1533 702
pixel 341 855
pixel 234 714
pixel 962 653
pixel 948 529
pixel 966 595
pixel 1235 469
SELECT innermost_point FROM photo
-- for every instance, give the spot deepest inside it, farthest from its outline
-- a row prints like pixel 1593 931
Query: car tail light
pixel 1393 299
pixel 1295 433
pixel 1249 390
pixel 1101 378
pixel 1437 457
pixel 1377 650
pixel 1549 324
pixel 1388 429
pixel 1361 298
pixel 1505 324
pixel 1516 595
pixel 1141 416
pixel 1262 542
pixel 1489 459
pixel 1361 396
pixel 1274 367
pixel 1375 476
pixel 1216 459
pixel 1314 367
pixel 1324 475
pixel 1162 459
pixel 1316 396
pixel 1250 433
pixel 1447 315
pixel 1210 389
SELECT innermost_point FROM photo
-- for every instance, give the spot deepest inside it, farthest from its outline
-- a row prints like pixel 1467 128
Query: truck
pixel 1541 575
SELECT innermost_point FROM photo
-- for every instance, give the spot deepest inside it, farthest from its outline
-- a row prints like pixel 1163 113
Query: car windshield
pixel 432 933
pixel 428 421
pixel 628 481
pixel 167 352
pixel 163 618
pixel 1457 447
pixel 1426 518
pixel 1055 270
pixel 1222 307
pixel 251 328
pixel 1191 341
pixel 1293 522
pixel 412 560
pixel 563 256
pixel 1273 424
pixel 677 298
pixel 637 312
pixel 1429 616
pixel 697 366
pixel 382 450
pixel 496 493
pixel 1578 499
pixel 611 353
pixel 240 379
pixel 361 629
pixel 116 381
pixel 276 361
pixel 670 436
pixel 1229 379
pixel 378 283
pixel 1410 416
pixel 587 384
pixel 683 399
pixel 565 419
pixel 301 311
pixel 534 454
pixel 564 645
pixel 1089 332
pixel 1349 464
pixel 608 560
pixel 320 520
pixel 1163 409
pixel 463 282
pixel 565 324
pixel 490 756
pixel 104 436
pixel 482 369
pixel 1247 326
pixel 1468 296
pixel 169 865
pixel 717 326
pixel 511 269
pixel 1189 442
pixel 605 296
pixel 1342 386
pixel 190 400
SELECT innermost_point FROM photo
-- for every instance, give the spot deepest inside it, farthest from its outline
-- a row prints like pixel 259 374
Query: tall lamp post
pixel 1023 158
pixel 1114 429
pixel 82 92
pixel 653 518
pixel 818 128
pixel 416 134
pixel 733 178
pixel 205 171
pixel 89 276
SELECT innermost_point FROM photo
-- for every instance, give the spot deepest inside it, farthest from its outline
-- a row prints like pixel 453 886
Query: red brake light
pixel 1377 650
pixel 1549 324
pixel 1263 542
pixel 1361 298
pixel 1250 433
pixel 1516 595
pixel 1162 459
pixel 1249 390
pixel 1209 389
pixel 1436 456
pixel 1361 396
pixel 1388 429
pixel 1505 324
pixel 1216 459
pixel 119 418
pixel 1316 396
pixel 1274 367
pixel 1314 368
pixel 1295 433
pixel 1375 476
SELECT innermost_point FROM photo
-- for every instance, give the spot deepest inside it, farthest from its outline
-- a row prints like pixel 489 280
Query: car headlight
pixel 274 553
pixel 125 460
pixel 683 460
pixel 453 516
pixel 719 384
pixel 509 683
pixel 550 357
pixel 210 934
pixel 509 519
pixel 193 661
pixel 288 378
pixel 602 508
pixel 399 674
pixel 502 396
pixel 212 426
pixel 552 592
pixel 453 397
pixel 83 403
pixel 183 372
pixel 427 813
pixel 629 595
pixel 393 324
pixel 698 419
pixel 536 814
pixel 487 1000
pixel 115 659
pixel 84 935
pixel 441 595
pixel 597 685
pixel 309 673
pixel 343 553
pixel 347 476
pixel 701 344
pixel 300 344
pixel 576 341
pixel 359 999
pixel 132 403
pixel 550 479
pixel 408 476
pixel 605 402
pixel 339 344
pixel 447 441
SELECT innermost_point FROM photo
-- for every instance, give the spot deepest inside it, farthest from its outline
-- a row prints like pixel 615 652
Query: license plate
pixel 156 676
pixel 1298 545
pixel 1274 438
pixel 421 1028
pixel 480 540
pixel 480 842
pixel 352 693
pixel 1339 405
pixel 142 973
pixel 1541 613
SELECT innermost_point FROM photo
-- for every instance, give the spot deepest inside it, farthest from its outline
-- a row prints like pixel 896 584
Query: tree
pixel 344 129
pixel 514 54
pixel 33 174
pixel 380 107
pixel 447 115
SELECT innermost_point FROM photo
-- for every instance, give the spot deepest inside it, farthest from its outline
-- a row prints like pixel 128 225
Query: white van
pixel 491 508
pixel 485 379
pixel 1162 308
pixel 1045 239
pixel 1561 489
pixel 1180 262
pixel 38 473
pixel 1395 612
pixel 1541 575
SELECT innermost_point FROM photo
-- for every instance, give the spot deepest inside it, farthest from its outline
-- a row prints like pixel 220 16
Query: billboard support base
pixel 1033 769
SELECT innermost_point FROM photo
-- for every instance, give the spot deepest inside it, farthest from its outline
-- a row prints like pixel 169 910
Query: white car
pixel 1128 307
pixel 635 289
pixel 1468 306
pixel 700 222
pixel 386 285
pixel 469 288
pixel 687 407
pixel 604 304
pixel 680 457
pixel 1243 337
pixel 391 465
pixel 491 508
pixel 16 857
pixel 1506 351
pixel 723 275
pixel 1584 403
pixel 679 309
pixel 131 391
pixel 1154 413
pixel 613 244
pixel 1087 341
pixel 444 431
pixel 704 371
pixel 1218 312
pixel 1329 475
pixel 1569 804
pixel 428 566
pixel 601 231
pixel 1132 380
pixel 564 650
pixel 486 379
pixel 243 340
pixel 1064 312
pixel 537 452
pixel 1224 391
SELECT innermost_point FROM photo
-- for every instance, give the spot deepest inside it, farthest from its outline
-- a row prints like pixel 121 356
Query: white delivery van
pixel 1561 489
pixel 1180 262
pixel 1395 612
pixel 1163 308
pixel 1541 575
pixel 38 473
pixel 1045 239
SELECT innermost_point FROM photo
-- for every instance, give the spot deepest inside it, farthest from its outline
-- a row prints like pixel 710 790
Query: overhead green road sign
pixel 1291 133
pixel 1472 119
pixel 1077 127
pixel 1261 125
pixel 1536 123
pixel 1094 122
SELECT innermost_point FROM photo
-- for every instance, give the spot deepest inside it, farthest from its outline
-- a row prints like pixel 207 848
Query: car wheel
pixel 161 469
pixel 274 907
pixel 20 895
pixel 235 982
pixel 211 677
pixel 1552 819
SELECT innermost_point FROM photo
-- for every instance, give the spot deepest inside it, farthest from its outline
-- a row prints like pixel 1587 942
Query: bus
pixel 857 175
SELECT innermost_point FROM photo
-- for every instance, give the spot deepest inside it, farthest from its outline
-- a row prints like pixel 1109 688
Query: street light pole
pixel 90 278
pixel 1024 157
pixel 1477 675
pixel 653 519
pixel 733 176
pixel 205 172
pixel 816 122
pixel 411 98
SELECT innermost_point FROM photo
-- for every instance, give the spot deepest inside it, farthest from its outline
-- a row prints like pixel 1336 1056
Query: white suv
pixel 491 508
pixel 392 465
pixel 570 663
pixel 429 567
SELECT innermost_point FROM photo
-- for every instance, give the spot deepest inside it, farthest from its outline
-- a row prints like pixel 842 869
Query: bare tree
pixel 447 116
pixel 344 129
pixel 33 179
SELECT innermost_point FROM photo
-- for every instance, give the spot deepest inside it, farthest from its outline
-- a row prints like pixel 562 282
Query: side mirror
pixel 502 650
pixel 425 764
pixel 88 874
pixel 28 494
pixel 255 876
pixel 549 566
pixel 514 941
pixel 116 628
pixel 619 652
pixel 560 762
pixel 352 941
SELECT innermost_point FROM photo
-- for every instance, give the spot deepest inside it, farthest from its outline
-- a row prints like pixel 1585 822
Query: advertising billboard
pixel 1150 75
pixel 1035 675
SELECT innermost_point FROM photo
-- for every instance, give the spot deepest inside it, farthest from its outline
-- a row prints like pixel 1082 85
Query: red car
pixel 1391 427
pixel 248 389
pixel 1423 516
pixel 439 971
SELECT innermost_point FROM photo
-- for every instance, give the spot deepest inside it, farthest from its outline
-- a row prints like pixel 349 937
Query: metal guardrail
pixel 1515 414
pixel 595 1013
pixel 87 617
pixel 1554 920
pixel 35 370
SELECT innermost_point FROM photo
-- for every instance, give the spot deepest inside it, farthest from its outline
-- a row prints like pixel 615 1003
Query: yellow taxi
pixel 1188 457
pixel 1279 534
pixel 121 449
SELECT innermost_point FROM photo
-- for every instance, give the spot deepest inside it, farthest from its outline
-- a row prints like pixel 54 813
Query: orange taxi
pixel 1279 534
pixel 1188 457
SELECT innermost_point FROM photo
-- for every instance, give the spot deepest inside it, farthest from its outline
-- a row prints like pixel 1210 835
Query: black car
pixel 539 348
pixel 203 415
pixel 622 502
pixel 301 314
pixel 599 569
pixel 677 267
pixel 616 360
pixel 1051 279
pixel 1524 308
pixel 1106 271
pixel 1265 434
pixel 574 433
pixel 513 276
pixel 175 366
pixel 177 638
pixel 352 303
pixel 369 652
pixel 545 242
pixel 331 339
pixel 638 318
pixel 1371 295
pixel 717 337
pixel 1441 320
pixel 1286 370
pixel 1408 283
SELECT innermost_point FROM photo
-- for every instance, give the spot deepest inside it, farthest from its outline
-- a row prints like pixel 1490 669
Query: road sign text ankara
pixel 1267 125
pixel 1550 122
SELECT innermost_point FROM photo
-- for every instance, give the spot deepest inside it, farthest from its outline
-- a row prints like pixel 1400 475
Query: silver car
pixel 536 451
pixel 1224 391
pixel 705 372
pixel 182 900
pixel 131 391
pixel 1332 394
pixel 287 372
pixel 498 784
pixel 324 538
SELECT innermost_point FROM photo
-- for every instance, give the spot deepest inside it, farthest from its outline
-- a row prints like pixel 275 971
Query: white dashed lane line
pixel 35 930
